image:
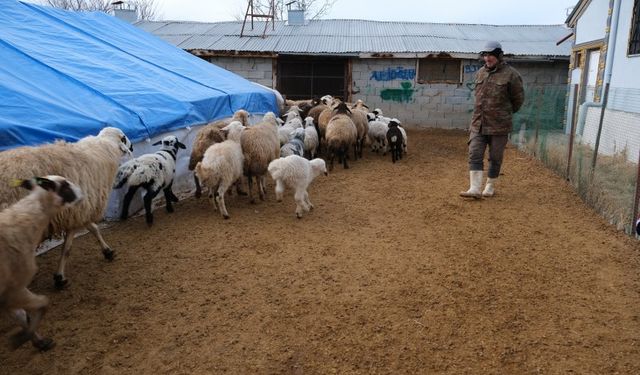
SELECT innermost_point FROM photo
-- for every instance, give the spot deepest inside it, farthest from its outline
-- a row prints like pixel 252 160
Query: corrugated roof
pixel 360 36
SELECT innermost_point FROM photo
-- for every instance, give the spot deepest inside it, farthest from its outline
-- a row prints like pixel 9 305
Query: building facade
pixel 422 73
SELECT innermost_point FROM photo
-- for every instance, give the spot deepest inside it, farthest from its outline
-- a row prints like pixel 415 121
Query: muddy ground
pixel 392 273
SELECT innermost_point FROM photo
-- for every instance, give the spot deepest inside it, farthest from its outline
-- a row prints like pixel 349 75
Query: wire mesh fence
pixel 596 149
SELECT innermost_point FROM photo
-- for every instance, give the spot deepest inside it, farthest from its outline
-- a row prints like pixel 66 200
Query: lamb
pixel 378 115
pixel 208 135
pixel 154 172
pixel 296 172
pixel 260 146
pixel 377 133
pixel 220 168
pixel 394 138
pixel 91 162
pixel 22 226
pixel 311 140
pixel 295 146
pixel 341 133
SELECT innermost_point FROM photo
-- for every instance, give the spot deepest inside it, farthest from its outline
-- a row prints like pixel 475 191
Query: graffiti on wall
pixel 402 95
pixel 471 68
pixel 393 73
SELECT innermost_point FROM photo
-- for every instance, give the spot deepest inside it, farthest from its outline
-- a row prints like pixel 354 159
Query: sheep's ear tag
pixel 16 182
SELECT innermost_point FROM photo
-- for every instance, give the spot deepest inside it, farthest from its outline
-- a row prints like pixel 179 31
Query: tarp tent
pixel 65 75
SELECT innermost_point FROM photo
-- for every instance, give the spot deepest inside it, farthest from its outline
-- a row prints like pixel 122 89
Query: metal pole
pixel 572 133
pixel 637 198
pixel 605 97
pixel 538 109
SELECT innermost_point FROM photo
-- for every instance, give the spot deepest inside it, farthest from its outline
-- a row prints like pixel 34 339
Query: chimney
pixel 124 11
pixel 295 16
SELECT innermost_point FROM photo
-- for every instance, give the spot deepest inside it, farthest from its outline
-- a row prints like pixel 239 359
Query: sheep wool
pixel 154 172
pixel 260 145
pixel 22 226
pixel 220 168
pixel 91 162
pixel 297 173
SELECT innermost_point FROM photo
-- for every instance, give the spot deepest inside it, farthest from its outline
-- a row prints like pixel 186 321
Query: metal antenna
pixel 251 12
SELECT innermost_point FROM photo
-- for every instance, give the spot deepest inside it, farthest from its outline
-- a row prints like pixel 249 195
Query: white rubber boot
pixel 489 189
pixel 475 182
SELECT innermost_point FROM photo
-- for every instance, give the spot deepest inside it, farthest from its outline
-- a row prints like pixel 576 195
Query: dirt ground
pixel 392 273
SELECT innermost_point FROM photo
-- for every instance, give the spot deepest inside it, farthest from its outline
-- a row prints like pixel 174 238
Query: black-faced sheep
pixel 154 172
pixel 395 140
pixel 91 162
pixel 22 226
pixel 296 172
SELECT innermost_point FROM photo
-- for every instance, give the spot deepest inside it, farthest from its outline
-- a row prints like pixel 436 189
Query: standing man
pixel 499 94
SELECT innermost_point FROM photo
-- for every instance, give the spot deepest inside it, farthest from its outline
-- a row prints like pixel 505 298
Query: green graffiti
pixel 405 94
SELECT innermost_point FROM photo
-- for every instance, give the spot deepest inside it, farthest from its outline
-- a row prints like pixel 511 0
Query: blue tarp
pixel 65 75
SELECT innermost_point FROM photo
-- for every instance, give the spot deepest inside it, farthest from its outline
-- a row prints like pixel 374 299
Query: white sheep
pixel 91 162
pixel 22 226
pixel 297 173
pixel 285 131
pixel 154 172
pixel 311 140
pixel 377 133
pixel 220 168
pixel 295 146
pixel 208 135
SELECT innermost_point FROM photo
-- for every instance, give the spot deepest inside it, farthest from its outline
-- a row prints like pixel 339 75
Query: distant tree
pixel 314 9
pixel 147 9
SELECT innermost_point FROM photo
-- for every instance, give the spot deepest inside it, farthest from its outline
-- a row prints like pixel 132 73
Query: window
pixel 308 77
pixel 634 40
pixel 437 70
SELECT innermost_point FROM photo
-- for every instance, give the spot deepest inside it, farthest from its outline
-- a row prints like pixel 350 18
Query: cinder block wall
pixel 255 69
pixel 391 85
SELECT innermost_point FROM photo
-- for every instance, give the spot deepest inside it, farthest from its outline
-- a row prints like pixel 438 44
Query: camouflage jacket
pixel 499 94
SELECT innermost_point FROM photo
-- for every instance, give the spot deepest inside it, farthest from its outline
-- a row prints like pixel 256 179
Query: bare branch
pixel 147 9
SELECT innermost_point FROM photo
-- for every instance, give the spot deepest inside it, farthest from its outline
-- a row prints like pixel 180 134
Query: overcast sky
pixel 498 12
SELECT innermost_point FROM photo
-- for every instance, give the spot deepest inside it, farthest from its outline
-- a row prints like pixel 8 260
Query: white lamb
pixel 22 226
pixel 154 172
pixel 311 140
pixel 220 168
pixel 296 172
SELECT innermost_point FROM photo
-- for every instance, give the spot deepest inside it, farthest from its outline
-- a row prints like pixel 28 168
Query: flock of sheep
pixel 222 154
